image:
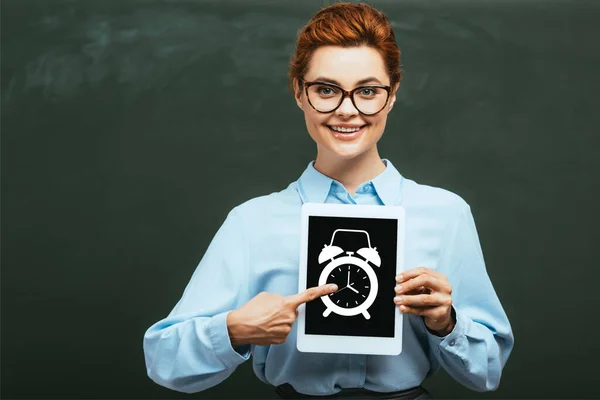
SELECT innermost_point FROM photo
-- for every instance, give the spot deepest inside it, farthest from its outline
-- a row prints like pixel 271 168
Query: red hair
pixel 346 25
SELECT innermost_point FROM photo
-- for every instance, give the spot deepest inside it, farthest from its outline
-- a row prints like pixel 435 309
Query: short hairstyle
pixel 346 25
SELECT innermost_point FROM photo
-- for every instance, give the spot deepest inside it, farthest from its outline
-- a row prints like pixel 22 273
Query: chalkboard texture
pixel 130 129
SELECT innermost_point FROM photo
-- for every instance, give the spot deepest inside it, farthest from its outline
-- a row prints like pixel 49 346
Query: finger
pixel 412 273
pixel 435 313
pixel 310 294
pixel 419 290
pixel 437 274
pixel 414 310
pixel 424 300
pixel 427 281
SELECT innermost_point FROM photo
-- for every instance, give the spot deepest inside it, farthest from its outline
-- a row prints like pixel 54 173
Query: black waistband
pixel 287 391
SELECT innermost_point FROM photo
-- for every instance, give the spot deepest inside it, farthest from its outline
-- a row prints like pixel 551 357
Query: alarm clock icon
pixel 356 280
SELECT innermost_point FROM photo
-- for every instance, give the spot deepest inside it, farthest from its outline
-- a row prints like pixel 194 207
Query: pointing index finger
pixel 311 294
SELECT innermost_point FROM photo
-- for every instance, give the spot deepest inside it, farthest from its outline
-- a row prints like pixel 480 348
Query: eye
pixel 367 92
pixel 326 91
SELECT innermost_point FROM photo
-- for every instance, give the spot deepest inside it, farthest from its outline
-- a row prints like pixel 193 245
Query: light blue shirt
pixel 257 249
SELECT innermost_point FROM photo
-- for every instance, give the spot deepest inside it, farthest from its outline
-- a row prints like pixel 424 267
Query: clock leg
pixel 327 312
pixel 366 314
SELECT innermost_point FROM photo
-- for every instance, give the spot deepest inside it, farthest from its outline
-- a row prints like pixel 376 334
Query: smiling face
pixel 336 132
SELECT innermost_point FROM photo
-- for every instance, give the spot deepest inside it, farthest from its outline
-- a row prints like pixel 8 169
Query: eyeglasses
pixel 327 97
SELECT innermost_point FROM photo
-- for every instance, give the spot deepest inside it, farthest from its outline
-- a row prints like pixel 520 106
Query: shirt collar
pixel 314 186
pixel 388 184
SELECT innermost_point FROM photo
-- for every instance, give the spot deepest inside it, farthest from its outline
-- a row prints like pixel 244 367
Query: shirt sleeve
pixel 478 347
pixel 190 350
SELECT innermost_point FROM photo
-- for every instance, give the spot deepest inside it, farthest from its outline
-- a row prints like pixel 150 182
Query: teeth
pixel 345 130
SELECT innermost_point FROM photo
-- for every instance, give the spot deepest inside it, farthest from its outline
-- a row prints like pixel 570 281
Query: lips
pixel 353 134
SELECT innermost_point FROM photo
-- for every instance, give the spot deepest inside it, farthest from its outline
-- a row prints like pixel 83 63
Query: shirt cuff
pixel 219 337
pixel 453 341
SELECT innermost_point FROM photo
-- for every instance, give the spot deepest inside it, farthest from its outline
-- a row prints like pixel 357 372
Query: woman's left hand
pixel 427 293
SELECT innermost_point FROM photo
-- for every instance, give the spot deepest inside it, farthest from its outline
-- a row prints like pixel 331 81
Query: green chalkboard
pixel 130 129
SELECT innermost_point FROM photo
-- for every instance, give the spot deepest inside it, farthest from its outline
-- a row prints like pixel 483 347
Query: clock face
pixel 353 285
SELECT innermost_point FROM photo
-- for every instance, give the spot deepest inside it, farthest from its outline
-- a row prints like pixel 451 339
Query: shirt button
pixel 452 342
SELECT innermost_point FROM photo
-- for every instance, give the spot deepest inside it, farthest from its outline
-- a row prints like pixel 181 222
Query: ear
pixel 393 95
pixel 297 93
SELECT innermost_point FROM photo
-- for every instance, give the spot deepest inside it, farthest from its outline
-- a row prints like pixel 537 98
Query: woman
pixel 242 298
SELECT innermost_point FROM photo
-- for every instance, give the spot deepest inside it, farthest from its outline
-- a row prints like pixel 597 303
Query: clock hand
pixel 339 290
pixel 351 288
pixel 348 284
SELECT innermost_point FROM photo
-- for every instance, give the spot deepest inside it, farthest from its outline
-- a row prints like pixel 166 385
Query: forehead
pixel 347 65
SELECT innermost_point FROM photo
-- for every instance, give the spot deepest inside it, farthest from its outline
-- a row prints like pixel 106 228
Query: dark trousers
pixel 287 391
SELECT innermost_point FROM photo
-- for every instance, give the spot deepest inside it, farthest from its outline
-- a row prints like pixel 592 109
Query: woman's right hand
pixel 268 318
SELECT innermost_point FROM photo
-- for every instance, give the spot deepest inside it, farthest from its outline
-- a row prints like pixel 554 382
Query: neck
pixel 352 172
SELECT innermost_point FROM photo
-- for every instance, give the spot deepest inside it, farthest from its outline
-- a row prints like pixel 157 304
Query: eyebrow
pixel 370 79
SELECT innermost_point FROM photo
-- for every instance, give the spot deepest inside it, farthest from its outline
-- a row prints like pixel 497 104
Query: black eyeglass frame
pixel 346 93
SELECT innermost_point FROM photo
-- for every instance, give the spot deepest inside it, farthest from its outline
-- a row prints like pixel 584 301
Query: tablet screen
pixel 365 291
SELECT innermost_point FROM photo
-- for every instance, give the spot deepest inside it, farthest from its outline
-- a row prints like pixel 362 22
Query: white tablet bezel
pixel 348 344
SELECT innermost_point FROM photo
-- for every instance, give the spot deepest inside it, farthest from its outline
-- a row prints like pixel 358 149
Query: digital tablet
pixel 361 249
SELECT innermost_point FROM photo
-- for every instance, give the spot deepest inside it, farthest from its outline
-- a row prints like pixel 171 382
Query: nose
pixel 346 109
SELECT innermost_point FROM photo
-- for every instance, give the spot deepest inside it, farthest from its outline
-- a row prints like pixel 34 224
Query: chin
pixel 346 152
pixel 348 155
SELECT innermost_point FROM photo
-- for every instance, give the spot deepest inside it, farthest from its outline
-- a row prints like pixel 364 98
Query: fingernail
pixel 397 299
pixel 398 288
pixel 399 278
pixel 333 288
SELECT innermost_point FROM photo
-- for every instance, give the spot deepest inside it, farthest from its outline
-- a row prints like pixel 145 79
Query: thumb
pixel 311 294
